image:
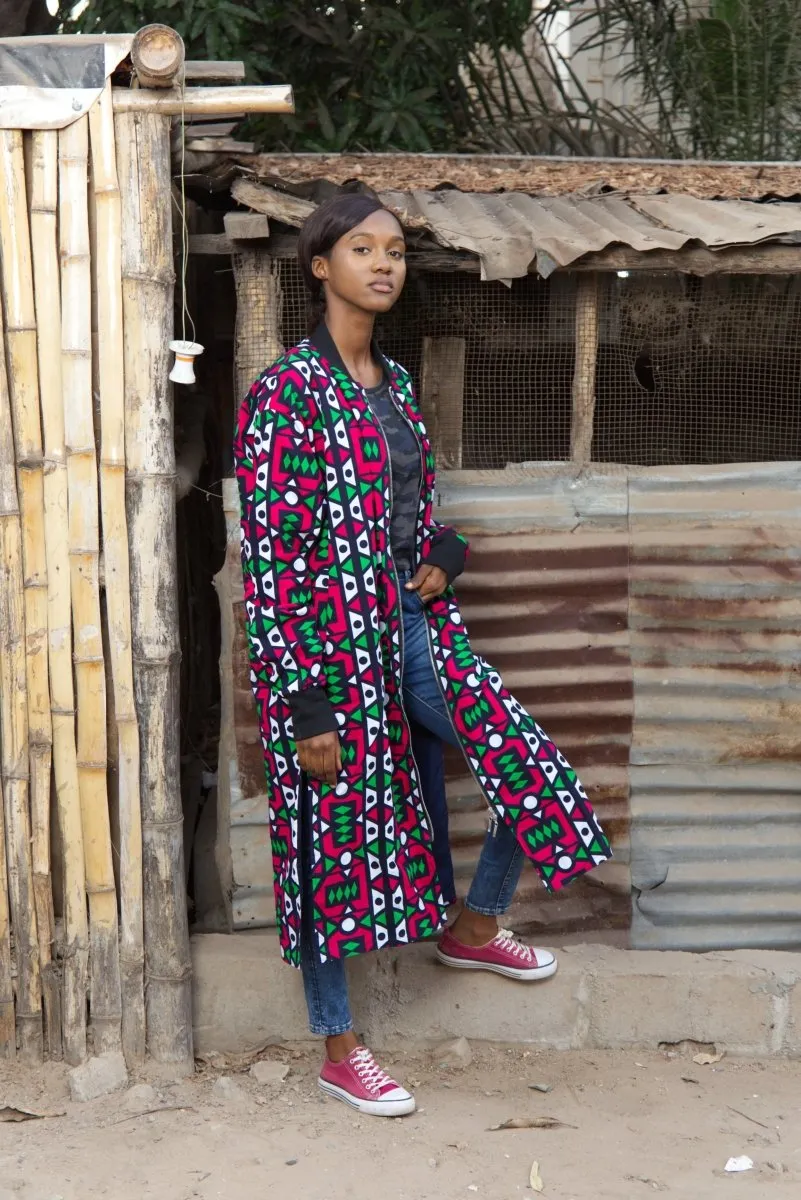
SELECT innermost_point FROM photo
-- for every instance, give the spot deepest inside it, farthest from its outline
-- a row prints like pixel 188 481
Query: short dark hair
pixel 320 233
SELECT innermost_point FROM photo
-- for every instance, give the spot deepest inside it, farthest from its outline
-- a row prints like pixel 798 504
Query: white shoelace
pixel 372 1076
pixel 506 940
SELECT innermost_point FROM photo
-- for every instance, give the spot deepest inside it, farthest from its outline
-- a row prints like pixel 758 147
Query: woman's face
pixel 367 267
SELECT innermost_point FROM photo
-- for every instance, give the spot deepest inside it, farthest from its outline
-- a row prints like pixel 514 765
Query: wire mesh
pixel 688 370
pixel 517 359
pixel 695 370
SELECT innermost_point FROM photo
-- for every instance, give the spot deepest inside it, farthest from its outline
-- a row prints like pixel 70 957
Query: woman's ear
pixel 320 268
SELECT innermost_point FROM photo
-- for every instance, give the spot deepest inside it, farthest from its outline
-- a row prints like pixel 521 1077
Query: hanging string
pixel 185 313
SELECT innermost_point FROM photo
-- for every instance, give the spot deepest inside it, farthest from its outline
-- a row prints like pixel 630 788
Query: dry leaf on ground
pixel 535 1179
pixel 11 1112
pixel 707 1060
pixel 531 1123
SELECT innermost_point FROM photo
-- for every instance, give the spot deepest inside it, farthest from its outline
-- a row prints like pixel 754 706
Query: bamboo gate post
pixel 35 733
pixel 11 610
pixel 47 290
pixel 587 322
pixel 143 162
pixel 84 547
pixel 107 266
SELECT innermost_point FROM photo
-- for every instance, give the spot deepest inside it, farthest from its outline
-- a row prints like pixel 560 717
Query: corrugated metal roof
pixel 510 232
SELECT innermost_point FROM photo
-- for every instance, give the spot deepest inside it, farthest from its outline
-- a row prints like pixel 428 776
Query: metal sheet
pixel 547 605
pixel 715 614
pixel 509 232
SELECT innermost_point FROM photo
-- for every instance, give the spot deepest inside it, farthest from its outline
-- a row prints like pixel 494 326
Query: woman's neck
pixel 352 332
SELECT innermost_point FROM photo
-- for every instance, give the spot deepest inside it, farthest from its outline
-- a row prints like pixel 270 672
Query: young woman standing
pixel 362 668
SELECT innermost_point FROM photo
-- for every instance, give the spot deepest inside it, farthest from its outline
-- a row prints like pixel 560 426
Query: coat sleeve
pixel 447 549
pixel 282 498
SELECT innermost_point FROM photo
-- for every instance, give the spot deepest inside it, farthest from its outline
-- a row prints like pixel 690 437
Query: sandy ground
pixel 635 1125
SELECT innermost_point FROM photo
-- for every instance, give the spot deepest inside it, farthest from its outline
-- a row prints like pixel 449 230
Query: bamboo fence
pixel 89 648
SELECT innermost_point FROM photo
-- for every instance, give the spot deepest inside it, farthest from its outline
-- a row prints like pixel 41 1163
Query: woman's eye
pixel 361 250
pixel 399 254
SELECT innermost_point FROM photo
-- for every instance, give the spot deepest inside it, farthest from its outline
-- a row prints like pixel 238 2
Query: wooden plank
pixel 203 129
pixel 442 397
pixel 220 145
pixel 581 427
pixel 290 210
pixel 214 72
pixel 246 225
pixel 210 243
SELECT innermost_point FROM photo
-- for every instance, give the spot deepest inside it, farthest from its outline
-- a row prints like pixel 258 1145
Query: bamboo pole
pixel 44 239
pixel 157 56
pixel 23 385
pixel 84 548
pixel 143 162
pixel 210 102
pixel 587 310
pixel 111 381
pixel 10 605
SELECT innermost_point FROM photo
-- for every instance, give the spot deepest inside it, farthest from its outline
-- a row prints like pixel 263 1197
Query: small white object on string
pixel 186 350
pixel 183 370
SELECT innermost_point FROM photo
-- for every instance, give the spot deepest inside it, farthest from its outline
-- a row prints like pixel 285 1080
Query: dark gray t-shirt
pixel 404 454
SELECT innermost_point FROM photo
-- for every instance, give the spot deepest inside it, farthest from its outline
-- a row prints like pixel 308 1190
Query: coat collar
pixel 323 342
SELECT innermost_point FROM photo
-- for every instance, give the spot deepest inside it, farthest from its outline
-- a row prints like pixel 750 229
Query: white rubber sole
pixel 524 975
pixel 371 1108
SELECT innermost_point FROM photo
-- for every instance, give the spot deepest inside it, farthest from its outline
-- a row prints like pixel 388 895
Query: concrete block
pixel 244 995
pixel 98 1077
pixel 268 1074
pixel 643 998
pixel 407 994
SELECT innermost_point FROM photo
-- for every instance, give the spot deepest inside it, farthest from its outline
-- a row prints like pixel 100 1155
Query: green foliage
pixel 718 80
pixel 367 74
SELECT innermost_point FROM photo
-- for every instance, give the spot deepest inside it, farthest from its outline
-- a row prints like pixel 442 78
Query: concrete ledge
pixel 745 1001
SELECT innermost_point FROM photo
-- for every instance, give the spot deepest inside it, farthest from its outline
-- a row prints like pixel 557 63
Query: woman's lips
pixel 384 288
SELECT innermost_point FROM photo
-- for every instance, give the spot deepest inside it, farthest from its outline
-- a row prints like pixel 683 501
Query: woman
pixel 361 666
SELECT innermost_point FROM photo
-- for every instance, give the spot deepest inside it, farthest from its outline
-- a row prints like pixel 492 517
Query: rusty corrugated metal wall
pixel 715 619
pixel 545 598
pixel 675 591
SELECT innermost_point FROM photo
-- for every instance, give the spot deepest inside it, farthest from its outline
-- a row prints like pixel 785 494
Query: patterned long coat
pixel 325 632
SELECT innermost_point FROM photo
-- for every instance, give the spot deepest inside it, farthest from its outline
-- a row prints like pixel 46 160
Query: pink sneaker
pixel 505 954
pixel 360 1082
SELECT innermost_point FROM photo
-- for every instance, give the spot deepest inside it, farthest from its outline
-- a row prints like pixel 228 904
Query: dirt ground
pixel 634 1125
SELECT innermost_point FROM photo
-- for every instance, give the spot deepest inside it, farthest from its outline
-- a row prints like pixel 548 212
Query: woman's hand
pixel 321 757
pixel 429 582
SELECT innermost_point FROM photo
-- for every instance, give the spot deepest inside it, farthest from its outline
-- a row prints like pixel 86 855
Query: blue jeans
pixel 499 865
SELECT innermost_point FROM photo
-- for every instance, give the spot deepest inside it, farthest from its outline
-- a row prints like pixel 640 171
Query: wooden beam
pixel 204 129
pixel 220 145
pixel 290 210
pixel 587 309
pixel 762 259
pixel 205 102
pixel 442 397
pixel 157 56
pixel 241 226
pixel 214 72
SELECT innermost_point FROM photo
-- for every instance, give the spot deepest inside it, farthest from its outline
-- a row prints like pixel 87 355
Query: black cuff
pixel 448 552
pixel 312 713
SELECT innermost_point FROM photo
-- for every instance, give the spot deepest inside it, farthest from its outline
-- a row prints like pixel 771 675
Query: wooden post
pixel 84 546
pixel 587 320
pixel 111 387
pixel 143 163
pixel 259 312
pixel 442 397
pixel 157 55
pixel 27 746
pixel 11 609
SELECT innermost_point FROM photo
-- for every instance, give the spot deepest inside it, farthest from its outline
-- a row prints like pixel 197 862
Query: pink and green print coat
pixel 325 636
